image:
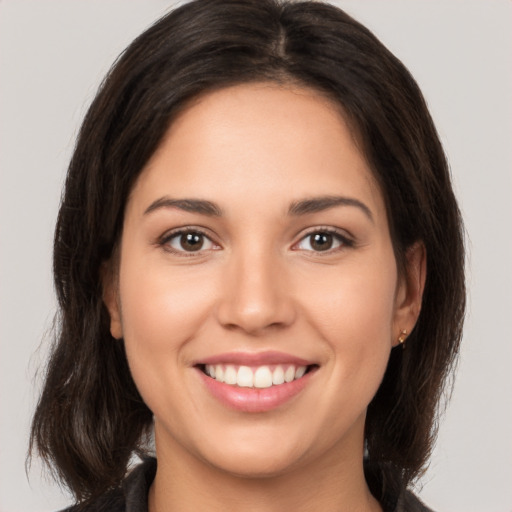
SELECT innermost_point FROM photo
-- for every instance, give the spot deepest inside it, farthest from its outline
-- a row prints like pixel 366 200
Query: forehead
pixel 260 139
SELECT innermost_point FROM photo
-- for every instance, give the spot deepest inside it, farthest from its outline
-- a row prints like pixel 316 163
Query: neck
pixel 333 484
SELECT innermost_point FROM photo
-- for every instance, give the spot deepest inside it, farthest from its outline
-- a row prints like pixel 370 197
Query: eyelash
pixel 343 239
pixel 164 241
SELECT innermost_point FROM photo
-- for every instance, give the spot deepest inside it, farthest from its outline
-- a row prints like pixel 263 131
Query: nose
pixel 256 295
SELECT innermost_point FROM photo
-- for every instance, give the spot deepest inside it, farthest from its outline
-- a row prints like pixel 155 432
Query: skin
pixel 258 284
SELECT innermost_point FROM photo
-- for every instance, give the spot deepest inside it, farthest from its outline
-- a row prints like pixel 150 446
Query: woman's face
pixel 255 248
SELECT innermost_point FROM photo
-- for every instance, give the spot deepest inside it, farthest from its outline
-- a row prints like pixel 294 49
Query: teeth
pixel 230 375
pixel 259 377
pixel 289 374
pixel 245 377
pixel 219 373
pixel 263 377
pixel 278 376
pixel 300 371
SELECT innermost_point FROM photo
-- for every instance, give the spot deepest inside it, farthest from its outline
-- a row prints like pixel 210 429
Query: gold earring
pixel 402 338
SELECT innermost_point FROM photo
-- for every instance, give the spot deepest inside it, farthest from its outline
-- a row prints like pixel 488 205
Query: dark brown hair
pixel 90 418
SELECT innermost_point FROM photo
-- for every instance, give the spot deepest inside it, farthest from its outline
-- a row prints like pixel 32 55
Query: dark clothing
pixel 133 496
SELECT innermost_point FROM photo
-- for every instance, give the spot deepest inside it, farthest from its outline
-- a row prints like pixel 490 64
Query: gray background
pixel 53 55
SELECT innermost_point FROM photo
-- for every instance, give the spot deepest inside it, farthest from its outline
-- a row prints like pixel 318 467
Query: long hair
pixel 90 418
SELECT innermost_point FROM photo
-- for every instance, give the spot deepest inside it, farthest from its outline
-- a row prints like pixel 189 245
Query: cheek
pixel 353 313
pixel 161 311
pixel 354 304
pixel 161 307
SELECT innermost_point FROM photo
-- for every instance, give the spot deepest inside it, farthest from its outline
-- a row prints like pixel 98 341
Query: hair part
pixel 90 417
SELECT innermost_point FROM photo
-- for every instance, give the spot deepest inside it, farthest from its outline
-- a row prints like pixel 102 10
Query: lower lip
pixel 254 399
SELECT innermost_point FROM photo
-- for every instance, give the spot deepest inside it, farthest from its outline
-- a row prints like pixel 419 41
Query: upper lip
pixel 254 359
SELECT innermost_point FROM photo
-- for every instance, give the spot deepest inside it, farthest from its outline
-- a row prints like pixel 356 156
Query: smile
pixel 255 383
pixel 255 377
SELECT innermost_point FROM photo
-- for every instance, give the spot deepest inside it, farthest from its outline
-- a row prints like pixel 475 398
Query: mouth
pixel 256 377
pixel 255 383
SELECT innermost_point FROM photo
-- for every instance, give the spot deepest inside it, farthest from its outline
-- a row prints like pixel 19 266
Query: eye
pixel 188 241
pixel 323 241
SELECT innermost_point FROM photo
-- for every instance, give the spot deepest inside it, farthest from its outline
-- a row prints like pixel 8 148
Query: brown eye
pixel 322 241
pixel 189 241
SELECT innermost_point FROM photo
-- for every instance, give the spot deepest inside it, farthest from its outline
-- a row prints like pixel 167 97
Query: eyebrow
pixel 318 204
pixel 297 208
pixel 189 205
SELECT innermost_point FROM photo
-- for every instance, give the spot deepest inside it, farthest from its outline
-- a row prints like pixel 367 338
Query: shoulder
pixel 408 502
pixel 131 496
pixel 113 501
pixel 385 483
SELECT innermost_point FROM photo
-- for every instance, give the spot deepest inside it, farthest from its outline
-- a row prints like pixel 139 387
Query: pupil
pixel 321 241
pixel 192 241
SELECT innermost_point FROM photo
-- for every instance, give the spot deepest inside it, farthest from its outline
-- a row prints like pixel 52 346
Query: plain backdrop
pixel 53 54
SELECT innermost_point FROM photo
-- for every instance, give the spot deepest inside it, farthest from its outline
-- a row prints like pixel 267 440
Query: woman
pixel 240 253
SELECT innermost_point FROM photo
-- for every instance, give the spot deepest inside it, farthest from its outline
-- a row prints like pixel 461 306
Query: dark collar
pixel 133 496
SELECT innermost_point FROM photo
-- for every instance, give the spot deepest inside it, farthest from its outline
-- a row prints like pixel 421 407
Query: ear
pixel 410 291
pixel 110 285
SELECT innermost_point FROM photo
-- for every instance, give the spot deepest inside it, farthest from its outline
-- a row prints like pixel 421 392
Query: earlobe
pixel 110 288
pixel 410 293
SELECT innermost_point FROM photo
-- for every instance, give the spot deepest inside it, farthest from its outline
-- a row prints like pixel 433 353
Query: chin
pixel 257 453
pixel 252 465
